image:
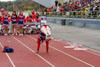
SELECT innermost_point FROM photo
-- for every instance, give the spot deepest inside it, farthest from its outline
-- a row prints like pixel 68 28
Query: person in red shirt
pixel 28 19
pixel 34 26
pixel 14 23
pixel 48 10
pixel 76 2
pixel 5 23
pixel 38 20
pixel 21 21
pixel 61 9
pixel 71 6
pixel 0 19
pixel 33 16
pixel 2 11
pixel 38 25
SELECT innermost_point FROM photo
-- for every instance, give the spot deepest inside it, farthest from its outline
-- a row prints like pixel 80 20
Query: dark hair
pixel 14 12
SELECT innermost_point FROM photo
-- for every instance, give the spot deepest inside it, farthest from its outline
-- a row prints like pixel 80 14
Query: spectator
pixel 67 8
pixel 56 3
pixel 86 10
pixel 54 9
pixel 58 10
pixel 94 7
pixel 89 11
pixel 76 6
pixel 2 11
pixel 59 4
pixel 0 19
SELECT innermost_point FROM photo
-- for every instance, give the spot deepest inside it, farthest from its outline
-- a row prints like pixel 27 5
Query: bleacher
pixel 46 3
pixel 79 12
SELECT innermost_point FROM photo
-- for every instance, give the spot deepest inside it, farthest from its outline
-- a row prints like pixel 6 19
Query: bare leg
pixel 15 29
pixel 21 30
pixel 12 29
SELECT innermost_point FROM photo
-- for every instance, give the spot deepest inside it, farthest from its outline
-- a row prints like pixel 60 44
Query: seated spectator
pixel 86 10
pixel 28 19
pixel 56 3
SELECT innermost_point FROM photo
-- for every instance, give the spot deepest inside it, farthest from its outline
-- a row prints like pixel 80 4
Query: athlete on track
pixel 44 35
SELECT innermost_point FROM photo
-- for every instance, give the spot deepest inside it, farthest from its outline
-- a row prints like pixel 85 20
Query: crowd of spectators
pixel 87 6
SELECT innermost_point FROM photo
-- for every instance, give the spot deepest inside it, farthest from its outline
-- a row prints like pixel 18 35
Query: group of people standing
pixel 17 22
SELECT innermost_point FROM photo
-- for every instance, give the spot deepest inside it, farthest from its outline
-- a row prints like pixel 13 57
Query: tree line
pixel 19 5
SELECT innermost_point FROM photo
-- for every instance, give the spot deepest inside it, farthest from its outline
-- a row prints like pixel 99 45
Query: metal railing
pixel 75 14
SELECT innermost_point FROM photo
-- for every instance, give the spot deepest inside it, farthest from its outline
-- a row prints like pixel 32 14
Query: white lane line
pixel 87 50
pixel 80 49
pixel 67 54
pixel 70 44
pixel 93 53
pixel 8 57
pixel 98 52
pixel 33 51
pixel 72 56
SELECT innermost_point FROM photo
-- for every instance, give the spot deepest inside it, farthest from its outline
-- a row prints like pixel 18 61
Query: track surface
pixel 25 54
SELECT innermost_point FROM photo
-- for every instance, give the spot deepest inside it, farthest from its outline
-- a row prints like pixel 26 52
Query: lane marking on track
pixel 72 57
pixel 98 52
pixel 66 54
pixel 83 49
pixel 8 57
pixel 70 44
pixel 33 51
pixel 93 53
pixel 75 47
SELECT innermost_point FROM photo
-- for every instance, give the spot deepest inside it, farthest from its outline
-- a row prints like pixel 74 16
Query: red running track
pixel 58 56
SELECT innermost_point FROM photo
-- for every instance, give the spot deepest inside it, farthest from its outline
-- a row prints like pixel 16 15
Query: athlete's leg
pixel 39 42
pixel 47 46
